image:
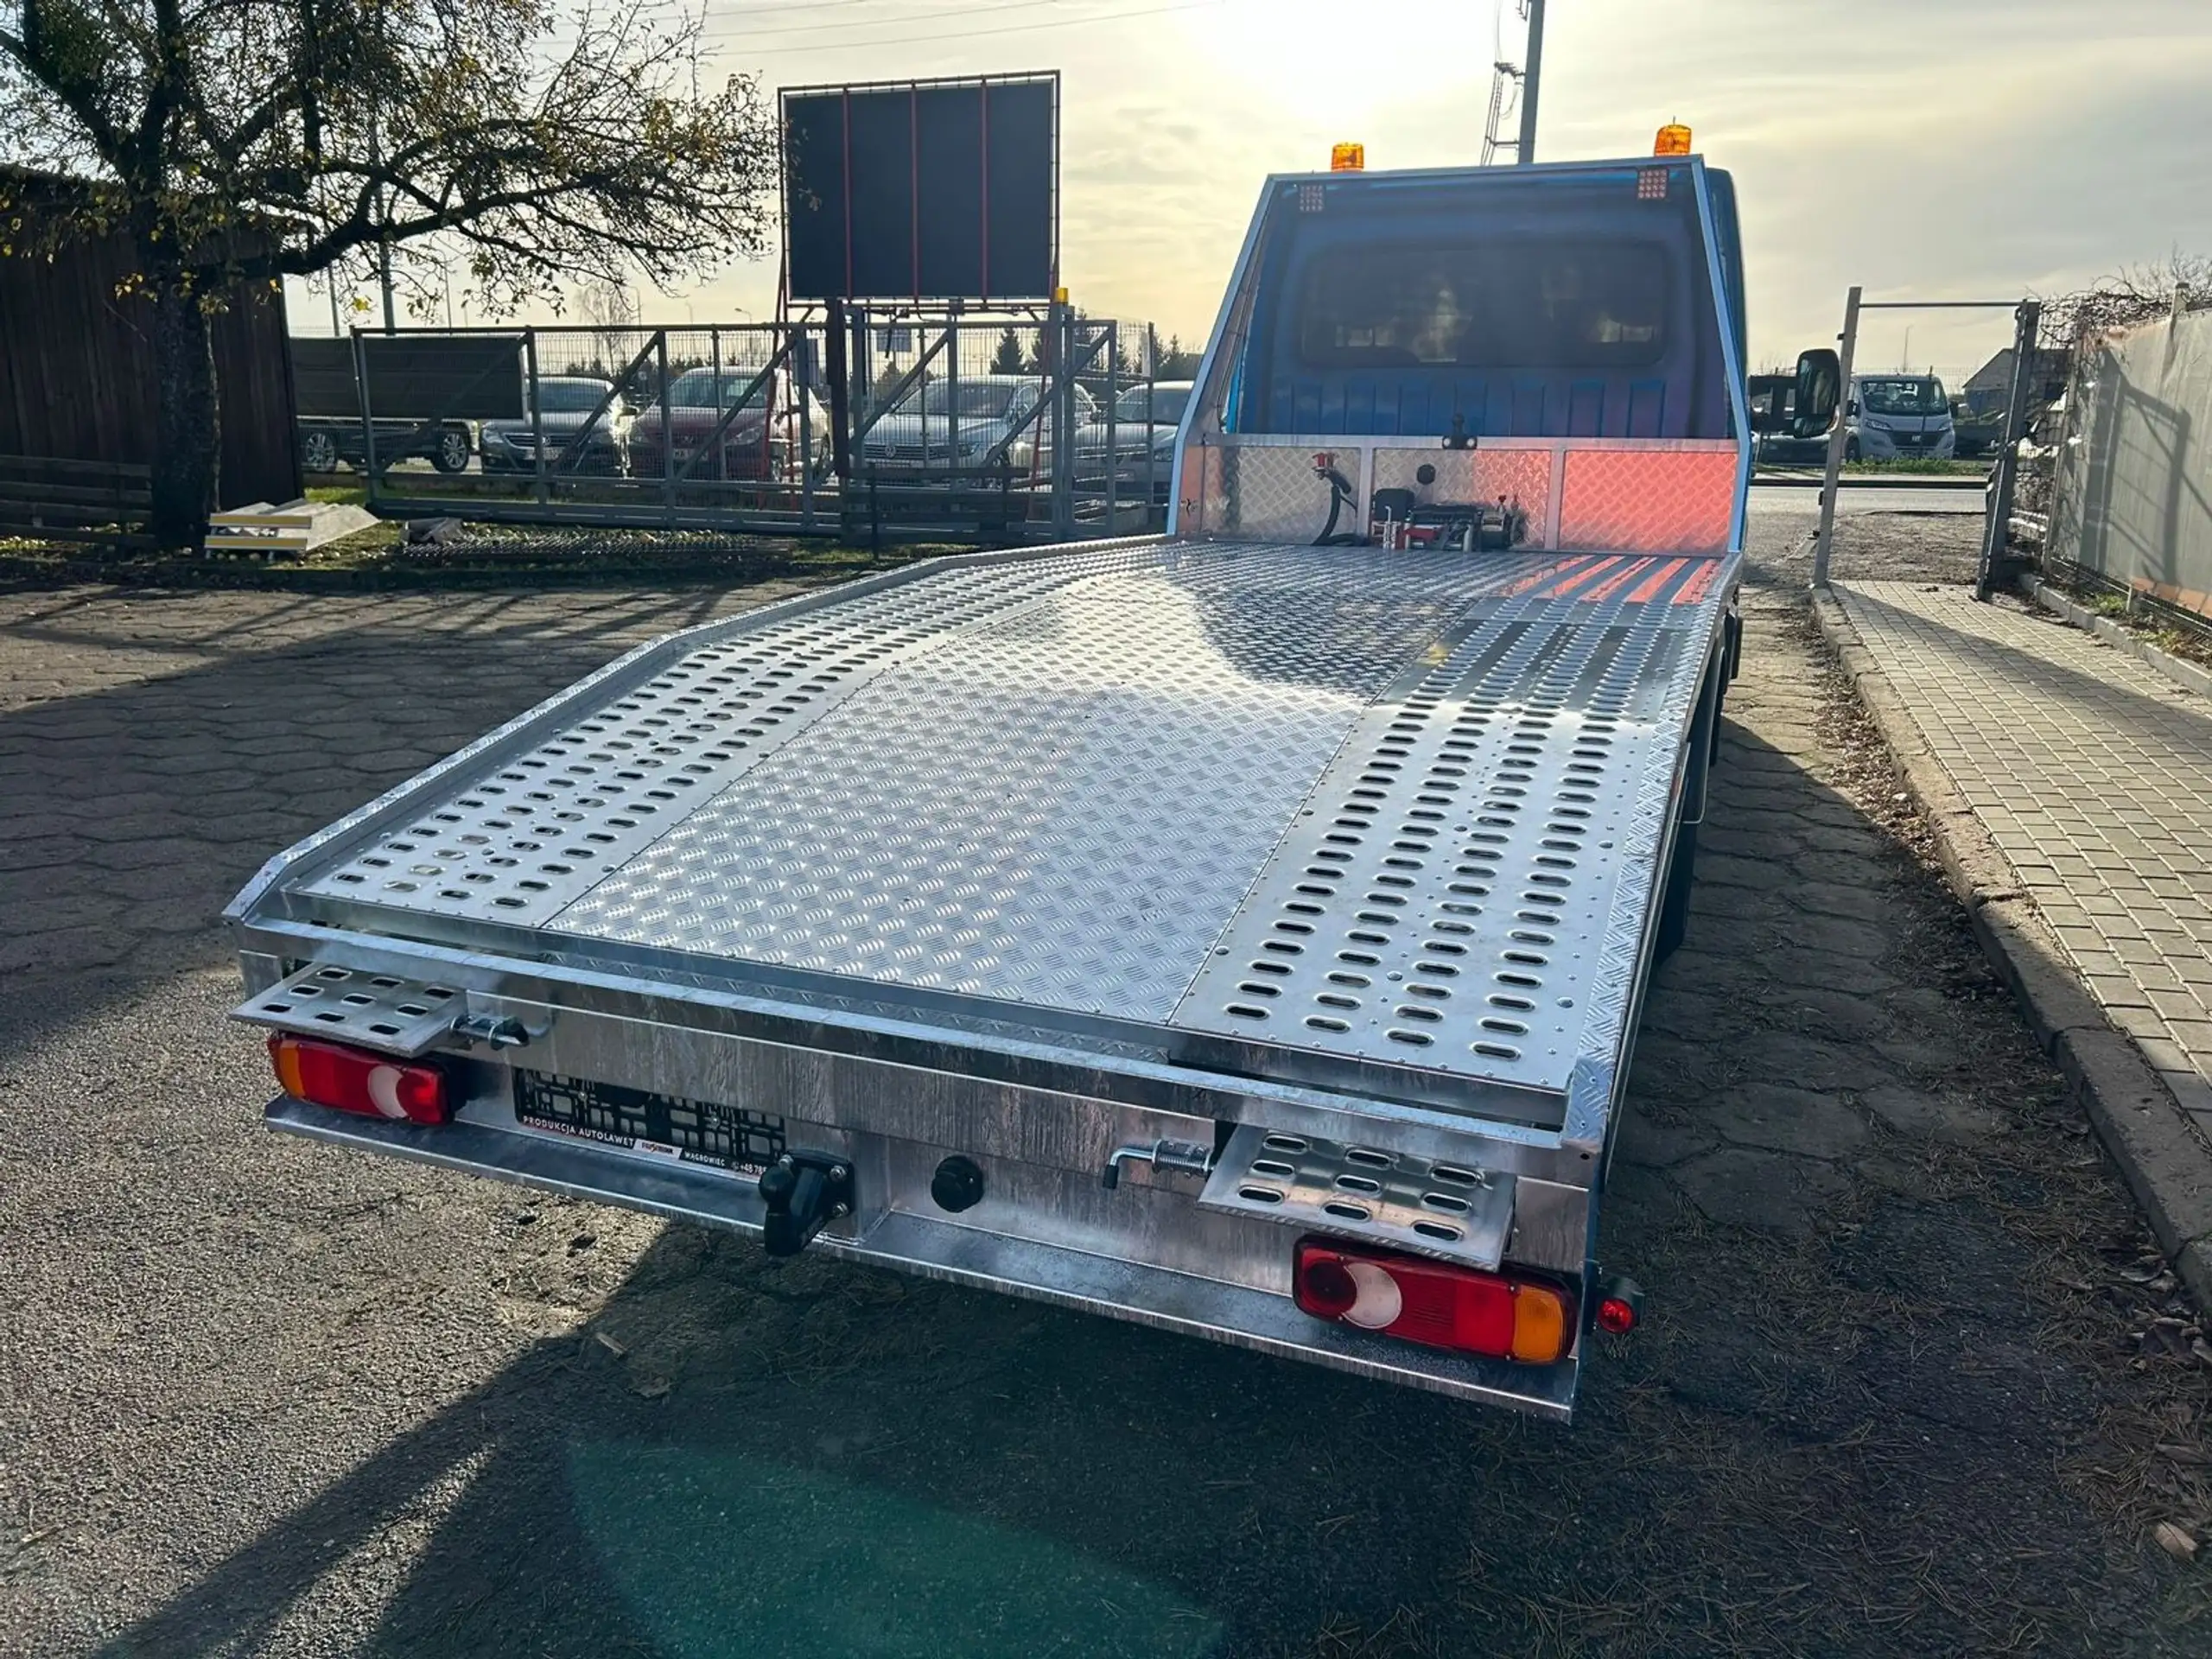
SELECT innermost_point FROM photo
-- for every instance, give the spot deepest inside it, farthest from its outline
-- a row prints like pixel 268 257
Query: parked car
pixel 1146 419
pixel 566 403
pixel 1894 416
pixel 752 445
pixel 327 441
pixel 926 428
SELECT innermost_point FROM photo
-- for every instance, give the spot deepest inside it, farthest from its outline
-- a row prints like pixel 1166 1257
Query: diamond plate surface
pixel 1680 499
pixel 1467 893
pixel 1266 491
pixel 1065 810
pixel 1066 782
pixel 517 843
pixel 1522 477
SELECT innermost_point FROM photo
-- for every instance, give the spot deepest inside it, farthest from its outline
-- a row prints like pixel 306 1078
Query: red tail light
pixel 1433 1302
pixel 357 1080
pixel 1620 1305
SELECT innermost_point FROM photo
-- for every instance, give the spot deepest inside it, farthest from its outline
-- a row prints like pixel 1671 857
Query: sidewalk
pixel 2091 774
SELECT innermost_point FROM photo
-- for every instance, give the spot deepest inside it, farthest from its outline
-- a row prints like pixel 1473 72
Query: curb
pixel 2187 675
pixel 1816 480
pixel 2140 1124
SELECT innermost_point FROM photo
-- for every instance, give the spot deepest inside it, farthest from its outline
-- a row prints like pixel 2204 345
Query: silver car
pixel 1143 436
pixel 965 423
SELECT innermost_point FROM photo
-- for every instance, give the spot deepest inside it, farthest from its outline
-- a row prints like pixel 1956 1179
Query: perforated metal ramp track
pixel 1124 783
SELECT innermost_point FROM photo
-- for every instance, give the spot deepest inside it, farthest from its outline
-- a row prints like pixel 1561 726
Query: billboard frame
pixel 1049 78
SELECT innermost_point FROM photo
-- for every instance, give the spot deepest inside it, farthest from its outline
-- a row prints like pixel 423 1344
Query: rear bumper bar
pixel 934 1248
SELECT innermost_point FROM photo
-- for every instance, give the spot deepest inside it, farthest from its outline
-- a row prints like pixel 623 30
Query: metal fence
pixel 2129 501
pixel 987 429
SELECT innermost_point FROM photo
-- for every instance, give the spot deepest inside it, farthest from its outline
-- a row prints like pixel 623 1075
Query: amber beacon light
pixel 1673 139
pixel 1348 158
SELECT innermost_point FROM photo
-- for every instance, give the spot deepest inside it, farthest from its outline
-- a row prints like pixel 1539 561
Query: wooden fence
pixel 77 377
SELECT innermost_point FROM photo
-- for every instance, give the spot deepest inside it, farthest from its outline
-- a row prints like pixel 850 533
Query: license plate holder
pixel 698 1132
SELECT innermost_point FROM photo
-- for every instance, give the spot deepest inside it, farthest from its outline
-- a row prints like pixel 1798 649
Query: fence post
pixel 1837 439
pixel 841 395
pixel 1113 409
pixel 1063 395
pixel 1995 532
pixel 953 458
pixel 921 389
pixel 536 415
pixel 805 359
pixel 667 431
pixel 1151 363
pixel 368 418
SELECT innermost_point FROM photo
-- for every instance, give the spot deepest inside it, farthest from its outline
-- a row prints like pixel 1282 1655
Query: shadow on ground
pixel 1880 1405
pixel 132 813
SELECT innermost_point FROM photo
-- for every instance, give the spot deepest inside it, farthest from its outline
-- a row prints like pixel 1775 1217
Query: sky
pixel 1923 149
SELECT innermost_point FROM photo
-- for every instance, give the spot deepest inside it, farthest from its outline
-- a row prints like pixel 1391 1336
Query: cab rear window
pixel 1495 305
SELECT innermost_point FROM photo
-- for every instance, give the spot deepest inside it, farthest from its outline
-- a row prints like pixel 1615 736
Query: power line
pixel 722 33
pixel 818 5
pixel 980 33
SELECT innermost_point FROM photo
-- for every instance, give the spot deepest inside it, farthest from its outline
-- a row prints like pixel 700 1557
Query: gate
pixel 1031 426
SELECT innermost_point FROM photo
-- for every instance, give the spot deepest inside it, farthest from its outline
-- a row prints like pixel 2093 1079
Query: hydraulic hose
pixel 1339 492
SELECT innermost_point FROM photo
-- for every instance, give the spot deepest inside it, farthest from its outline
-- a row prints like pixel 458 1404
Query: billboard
pixel 412 376
pixel 923 190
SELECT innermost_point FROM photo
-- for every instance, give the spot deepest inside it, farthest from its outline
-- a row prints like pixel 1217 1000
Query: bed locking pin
pixel 499 1032
pixel 1160 1155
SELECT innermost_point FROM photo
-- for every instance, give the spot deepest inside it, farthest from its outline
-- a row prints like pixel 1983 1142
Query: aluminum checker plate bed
pixel 1323 839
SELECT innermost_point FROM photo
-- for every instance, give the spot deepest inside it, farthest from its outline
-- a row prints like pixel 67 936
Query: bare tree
pixel 2135 293
pixel 250 140
pixel 609 306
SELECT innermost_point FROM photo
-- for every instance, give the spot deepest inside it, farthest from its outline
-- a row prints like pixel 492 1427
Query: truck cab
pixel 1555 350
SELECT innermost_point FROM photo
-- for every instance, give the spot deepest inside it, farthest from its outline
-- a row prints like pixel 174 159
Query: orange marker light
pixel 1348 158
pixel 1673 139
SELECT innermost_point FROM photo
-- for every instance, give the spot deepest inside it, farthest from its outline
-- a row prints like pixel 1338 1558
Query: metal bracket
pixel 384 1012
pixel 803 1193
pixel 1453 1213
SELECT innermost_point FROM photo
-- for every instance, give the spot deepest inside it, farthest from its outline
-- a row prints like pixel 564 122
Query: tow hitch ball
pixel 804 1192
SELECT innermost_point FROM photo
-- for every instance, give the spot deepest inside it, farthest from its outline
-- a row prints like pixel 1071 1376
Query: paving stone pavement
pixel 155 749
pixel 265 1397
pixel 2093 774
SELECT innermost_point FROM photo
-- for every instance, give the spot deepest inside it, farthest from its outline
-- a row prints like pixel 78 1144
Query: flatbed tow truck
pixel 1241 931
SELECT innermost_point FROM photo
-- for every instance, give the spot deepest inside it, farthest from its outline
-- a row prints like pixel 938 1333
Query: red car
pixel 751 446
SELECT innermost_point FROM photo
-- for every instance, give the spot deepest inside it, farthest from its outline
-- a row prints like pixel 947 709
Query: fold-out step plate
pixel 379 1011
pixel 1453 1213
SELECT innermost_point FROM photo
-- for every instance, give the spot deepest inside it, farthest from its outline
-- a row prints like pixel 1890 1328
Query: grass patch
pixel 481 555
pixel 2156 625
pixel 1918 466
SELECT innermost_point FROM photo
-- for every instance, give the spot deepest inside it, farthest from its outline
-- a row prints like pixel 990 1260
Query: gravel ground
pixel 1911 1380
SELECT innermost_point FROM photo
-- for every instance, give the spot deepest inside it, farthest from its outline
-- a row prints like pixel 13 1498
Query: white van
pixel 1894 416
